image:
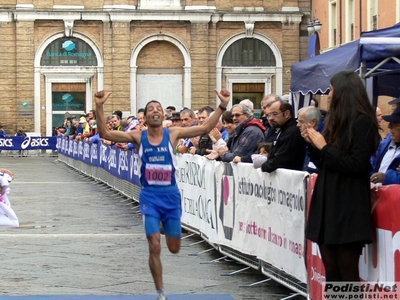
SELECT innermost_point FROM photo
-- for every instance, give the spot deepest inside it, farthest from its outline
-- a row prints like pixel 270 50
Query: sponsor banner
pixel 134 168
pixel 380 261
pixel 123 159
pixel 263 214
pixel 315 267
pixel 121 164
pixel 196 181
pixel 86 153
pixel 28 143
pixel 93 156
pixel 111 161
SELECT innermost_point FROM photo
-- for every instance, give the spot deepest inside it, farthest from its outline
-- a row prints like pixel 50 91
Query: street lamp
pixel 314 26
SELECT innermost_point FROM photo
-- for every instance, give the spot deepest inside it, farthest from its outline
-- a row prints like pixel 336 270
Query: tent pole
pixel 363 70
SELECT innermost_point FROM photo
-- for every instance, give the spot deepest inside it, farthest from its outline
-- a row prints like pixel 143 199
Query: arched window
pixel 249 53
pixel 68 51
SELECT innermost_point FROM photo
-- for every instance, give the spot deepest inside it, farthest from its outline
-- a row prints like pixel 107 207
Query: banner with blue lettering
pixel 28 143
pixel 121 164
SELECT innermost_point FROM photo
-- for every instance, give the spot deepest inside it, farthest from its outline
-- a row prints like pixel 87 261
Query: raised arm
pixel 112 135
pixel 187 132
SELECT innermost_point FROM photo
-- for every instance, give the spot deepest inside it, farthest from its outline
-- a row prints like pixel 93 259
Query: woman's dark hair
pixel 227 117
pixel 348 100
pixel 94 113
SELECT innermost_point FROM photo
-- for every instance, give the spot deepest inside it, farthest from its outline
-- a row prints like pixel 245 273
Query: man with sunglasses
pixel 248 133
pixel 289 148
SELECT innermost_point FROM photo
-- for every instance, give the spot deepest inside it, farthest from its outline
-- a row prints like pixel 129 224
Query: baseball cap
pixel 175 116
pixel 395 101
pixel 118 113
pixel 171 107
pixel 394 117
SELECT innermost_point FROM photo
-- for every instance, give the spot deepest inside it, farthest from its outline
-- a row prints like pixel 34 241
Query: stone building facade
pixel 57 53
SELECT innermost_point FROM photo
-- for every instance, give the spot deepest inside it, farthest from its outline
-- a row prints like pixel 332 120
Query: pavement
pixel 78 237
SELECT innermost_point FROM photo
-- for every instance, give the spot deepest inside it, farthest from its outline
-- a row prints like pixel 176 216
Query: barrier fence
pixel 30 145
pixel 253 217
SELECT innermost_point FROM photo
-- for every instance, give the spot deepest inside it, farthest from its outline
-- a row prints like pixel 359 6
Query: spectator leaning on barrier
pixel 289 148
pixel 188 120
pixel 249 132
pixel 387 158
pixel 160 197
pixel 74 129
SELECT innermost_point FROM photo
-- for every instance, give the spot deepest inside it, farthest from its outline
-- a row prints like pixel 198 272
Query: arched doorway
pixel 250 68
pixel 67 68
pixel 160 70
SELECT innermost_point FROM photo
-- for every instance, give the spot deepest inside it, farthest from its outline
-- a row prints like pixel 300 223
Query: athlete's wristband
pixel 222 108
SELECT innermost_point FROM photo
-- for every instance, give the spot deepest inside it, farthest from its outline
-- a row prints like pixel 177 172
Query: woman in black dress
pixel 340 213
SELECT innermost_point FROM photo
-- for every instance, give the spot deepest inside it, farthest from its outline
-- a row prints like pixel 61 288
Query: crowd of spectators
pixel 275 140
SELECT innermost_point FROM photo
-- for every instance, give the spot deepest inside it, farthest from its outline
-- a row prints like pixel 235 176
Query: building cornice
pixel 129 15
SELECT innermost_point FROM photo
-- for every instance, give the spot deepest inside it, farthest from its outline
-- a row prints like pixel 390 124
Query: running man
pixel 160 198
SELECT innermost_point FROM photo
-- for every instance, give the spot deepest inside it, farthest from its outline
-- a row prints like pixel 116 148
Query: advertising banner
pixel 28 143
pixel 263 215
pixel 197 185
pixel 380 261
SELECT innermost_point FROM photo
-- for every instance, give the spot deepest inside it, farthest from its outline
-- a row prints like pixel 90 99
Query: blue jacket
pixel 245 141
pixel 392 176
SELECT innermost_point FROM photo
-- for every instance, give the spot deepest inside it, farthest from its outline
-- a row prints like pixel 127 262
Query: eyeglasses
pixel 236 115
pixel 275 113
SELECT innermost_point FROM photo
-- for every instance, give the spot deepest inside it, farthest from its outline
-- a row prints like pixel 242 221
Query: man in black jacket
pixel 270 132
pixel 289 148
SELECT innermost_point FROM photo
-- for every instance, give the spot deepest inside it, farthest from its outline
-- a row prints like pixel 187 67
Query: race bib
pixel 156 174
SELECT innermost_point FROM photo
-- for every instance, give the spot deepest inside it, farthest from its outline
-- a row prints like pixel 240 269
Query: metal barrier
pixel 28 153
pixel 131 191
pixel 126 188
pixel 284 279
